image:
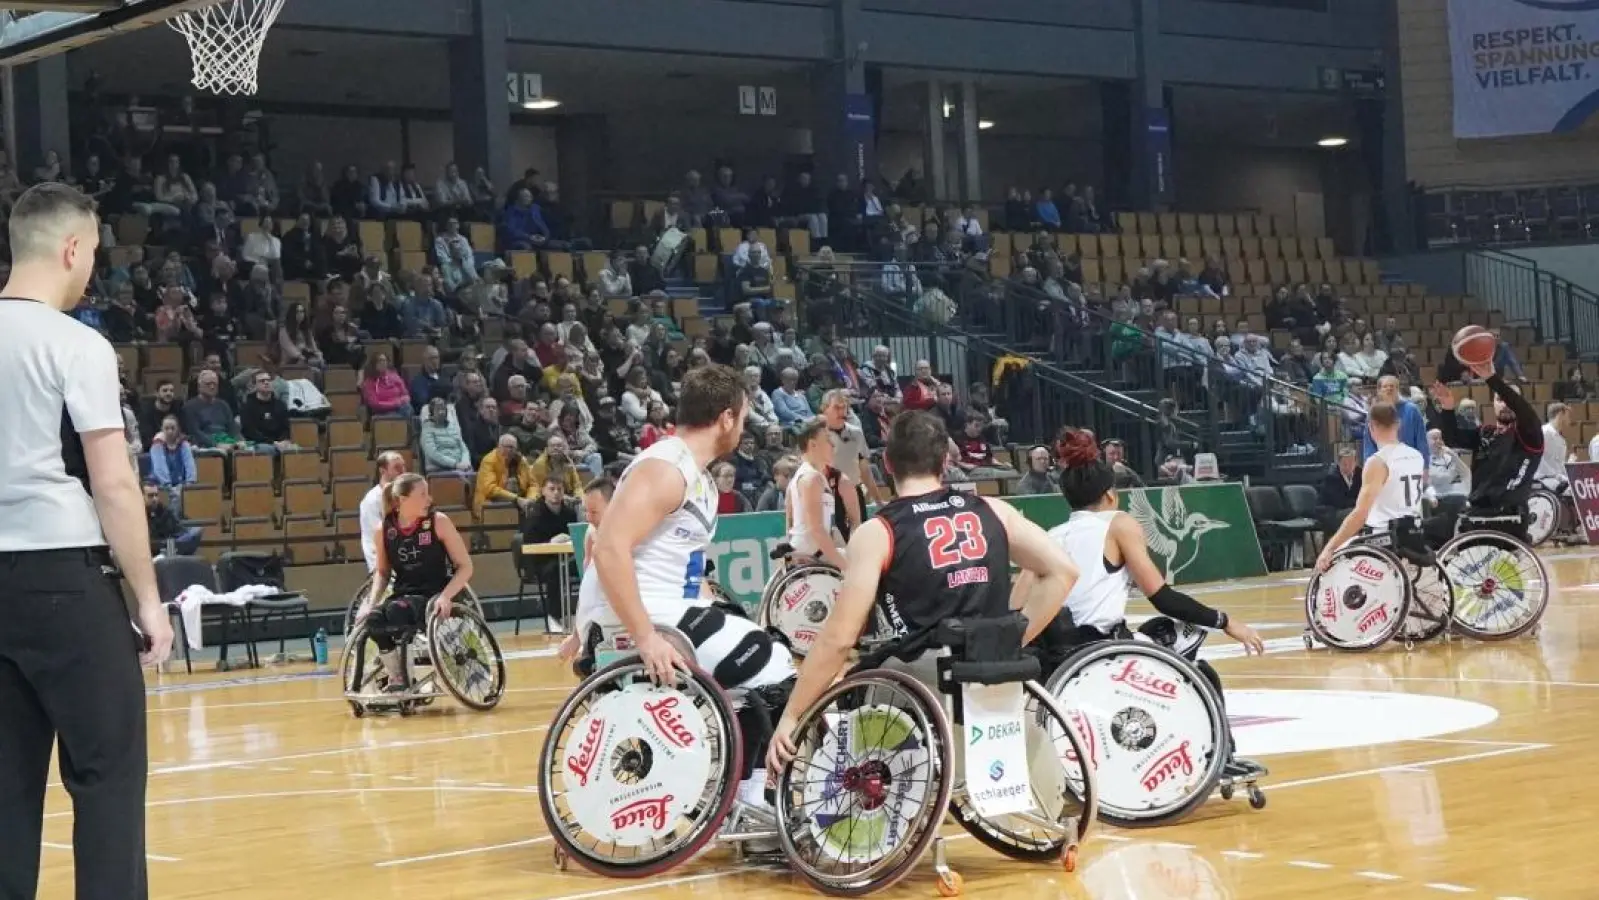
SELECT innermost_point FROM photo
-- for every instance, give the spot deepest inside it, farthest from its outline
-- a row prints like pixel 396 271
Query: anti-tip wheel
pixel 950 883
pixel 1068 857
pixel 560 860
pixel 1310 643
pixel 1226 790
pixel 357 710
pixel 1257 798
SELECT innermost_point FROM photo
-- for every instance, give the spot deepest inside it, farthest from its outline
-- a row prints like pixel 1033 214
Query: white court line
pixel 1242 854
pixel 1450 888
pixel 1379 876
pixel 340 751
pixel 1307 864
pixel 153 857
pixel 451 854
pixel 1231 676
pixel 654 883
pixel 1423 764
pixel 322 792
pixel 1474 742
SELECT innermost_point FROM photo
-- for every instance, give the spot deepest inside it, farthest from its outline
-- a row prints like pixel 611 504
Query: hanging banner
pixel 1523 66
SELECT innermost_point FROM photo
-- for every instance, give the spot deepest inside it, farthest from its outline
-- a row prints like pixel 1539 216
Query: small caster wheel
pixel 407 709
pixel 560 860
pixel 357 710
pixel 1227 791
pixel 1068 858
pixel 1409 645
pixel 950 883
pixel 1309 643
pixel 1257 798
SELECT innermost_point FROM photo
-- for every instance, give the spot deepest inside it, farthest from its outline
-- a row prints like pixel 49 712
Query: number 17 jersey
pixel 949 557
pixel 1400 496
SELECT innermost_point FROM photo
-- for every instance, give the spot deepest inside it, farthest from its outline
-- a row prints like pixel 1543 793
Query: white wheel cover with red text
pixel 1545 509
pixel 622 806
pixel 1359 601
pixel 1147 731
pixel 803 605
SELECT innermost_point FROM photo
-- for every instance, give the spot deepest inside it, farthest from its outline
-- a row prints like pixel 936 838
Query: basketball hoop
pixel 225 42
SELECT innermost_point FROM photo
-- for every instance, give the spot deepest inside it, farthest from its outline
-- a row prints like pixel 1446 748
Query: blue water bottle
pixel 320 645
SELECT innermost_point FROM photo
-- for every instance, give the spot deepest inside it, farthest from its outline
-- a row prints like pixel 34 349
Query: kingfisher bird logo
pixel 1174 534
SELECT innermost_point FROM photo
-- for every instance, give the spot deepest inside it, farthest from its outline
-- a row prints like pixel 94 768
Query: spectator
pixel 804 203
pixel 172 464
pixel 878 375
pixel 944 407
pixel 314 196
pixel 267 197
pixel 750 471
pixel 877 417
pixel 641 271
pixel 728 500
pixel 611 433
pixel 482 430
pixel 922 392
pixel 155 410
pixel 383 390
pixel 1339 490
pixel 773 447
pixel 296 345
pixel 728 197
pixel 174 188
pixel 1040 477
pixel 383 193
pixel 164 525
pixel 531 429
pixel 1116 457
pixel 264 417
pixel 976 454
pixel 581 447
pixel 517 399
pixel 767 206
pixel 1401 364
pixel 1447 474
pixel 697 201
pixel 790 405
pixel 638 397
pixel 443 449
pixel 1299 364
pixel 1045 210
pixel 1505 361
pixel 556 462
pixel 546 520
pixel 567 366
pixel 504 476
pixel 413 197
pixel 519 361
pixel 773 499
pixel 1330 384
pixel 457 258
pixel 207 419
pixel 760 411
pixel 522 226
pixel 303 253
pixel 452 194
pixel 755 279
pixel 615 282
pixel 348 195
pixel 1575 389
pixel 342 250
pixel 124 321
pixel 657 425
pixel 429 383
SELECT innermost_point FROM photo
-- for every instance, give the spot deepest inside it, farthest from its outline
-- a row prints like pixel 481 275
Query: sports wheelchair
pixel 1500 585
pixel 1551 514
pixel 1381 585
pixel 639 777
pixel 799 598
pixel 1154 723
pixel 458 656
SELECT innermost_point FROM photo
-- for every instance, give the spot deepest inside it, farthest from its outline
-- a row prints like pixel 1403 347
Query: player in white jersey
pixel 1391 489
pixel 810 506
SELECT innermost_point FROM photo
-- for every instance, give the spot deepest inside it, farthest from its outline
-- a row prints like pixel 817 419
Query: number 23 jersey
pixel 949 557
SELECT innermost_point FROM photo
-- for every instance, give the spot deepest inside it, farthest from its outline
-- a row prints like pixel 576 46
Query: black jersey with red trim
pixel 949 557
pixel 419 564
pixel 1504 458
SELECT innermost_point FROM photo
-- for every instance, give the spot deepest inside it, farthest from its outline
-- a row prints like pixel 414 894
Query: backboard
pixel 30 31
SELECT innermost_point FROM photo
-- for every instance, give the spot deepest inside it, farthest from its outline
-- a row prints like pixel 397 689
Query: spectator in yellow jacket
pixel 556 462
pixel 505 476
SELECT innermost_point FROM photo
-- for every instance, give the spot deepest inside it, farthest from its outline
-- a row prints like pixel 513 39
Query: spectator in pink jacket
pixel 382 388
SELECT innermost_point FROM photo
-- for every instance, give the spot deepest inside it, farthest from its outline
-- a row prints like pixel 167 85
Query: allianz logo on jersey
pixel 1174 535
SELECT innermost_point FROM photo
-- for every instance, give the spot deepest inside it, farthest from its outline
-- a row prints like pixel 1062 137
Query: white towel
pixel 191 602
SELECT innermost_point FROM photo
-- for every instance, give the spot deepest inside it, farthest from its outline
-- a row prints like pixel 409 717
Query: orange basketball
pixel 1474 345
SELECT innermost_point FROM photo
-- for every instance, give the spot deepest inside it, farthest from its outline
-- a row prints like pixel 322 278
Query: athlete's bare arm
pixel 460 560
pixel 819 531
pixel 650 493
pixel 1054 571
pixel 1373 478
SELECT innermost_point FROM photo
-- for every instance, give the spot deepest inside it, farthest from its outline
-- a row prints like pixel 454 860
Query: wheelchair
pixel 1380 586
pixel 1155 726
pixel 1551 515
pixel 800 597
pixel 456 656
pixel 638 778
pixel 1500 585
pixel 467 597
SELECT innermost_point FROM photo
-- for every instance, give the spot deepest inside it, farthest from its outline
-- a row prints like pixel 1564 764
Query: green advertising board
pixel 1195 533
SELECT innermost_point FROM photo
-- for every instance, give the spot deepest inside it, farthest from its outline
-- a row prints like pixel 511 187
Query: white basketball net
pixel 225 42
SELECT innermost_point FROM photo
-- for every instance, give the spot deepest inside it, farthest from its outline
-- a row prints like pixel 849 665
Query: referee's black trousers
pixel 69 672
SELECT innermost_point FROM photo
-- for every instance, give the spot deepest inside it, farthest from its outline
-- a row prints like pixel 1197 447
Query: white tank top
pixel 1099 599
pixel 799 528
pixel 670 561
pixel 1400 496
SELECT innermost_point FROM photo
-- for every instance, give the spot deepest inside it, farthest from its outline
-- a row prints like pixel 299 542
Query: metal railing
pixel 1561 311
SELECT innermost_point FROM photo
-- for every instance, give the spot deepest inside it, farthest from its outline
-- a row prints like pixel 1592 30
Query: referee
pixel 69 657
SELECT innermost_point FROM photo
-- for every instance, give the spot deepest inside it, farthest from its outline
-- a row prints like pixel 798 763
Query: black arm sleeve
pixel 1456 436
pixel 1172 602
pixel 1529 425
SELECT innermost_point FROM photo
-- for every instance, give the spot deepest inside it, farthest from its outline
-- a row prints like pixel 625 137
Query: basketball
pixel 1474 345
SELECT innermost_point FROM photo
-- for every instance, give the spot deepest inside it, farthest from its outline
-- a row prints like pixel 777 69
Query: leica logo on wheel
pixel 1370 571
pixel 1164 768
pixel 1142 681
pixel 650 813
pixel 587 752
pixel 664 714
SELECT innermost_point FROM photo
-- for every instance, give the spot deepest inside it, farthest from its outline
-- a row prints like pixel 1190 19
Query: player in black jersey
pixel 933 554
pixel 422 556
pixel 1505 455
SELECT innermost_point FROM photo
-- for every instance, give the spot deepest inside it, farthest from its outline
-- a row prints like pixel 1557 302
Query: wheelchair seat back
pixel 1405 539
pixel 985 651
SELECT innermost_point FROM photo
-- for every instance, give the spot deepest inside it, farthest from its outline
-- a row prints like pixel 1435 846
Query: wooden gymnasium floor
pixel 1465 769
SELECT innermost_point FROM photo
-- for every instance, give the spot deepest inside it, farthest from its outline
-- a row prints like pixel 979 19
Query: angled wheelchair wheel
pixel 1361 601
pixel 361 672
pixel 1432 601
pixel 1501 587
pixel 863 799
pixel 355 604
pixel 467 658
pixel 636 777
pixel 1152 726
pixel 1065 792
pixel 1543 513
pixel 798 601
